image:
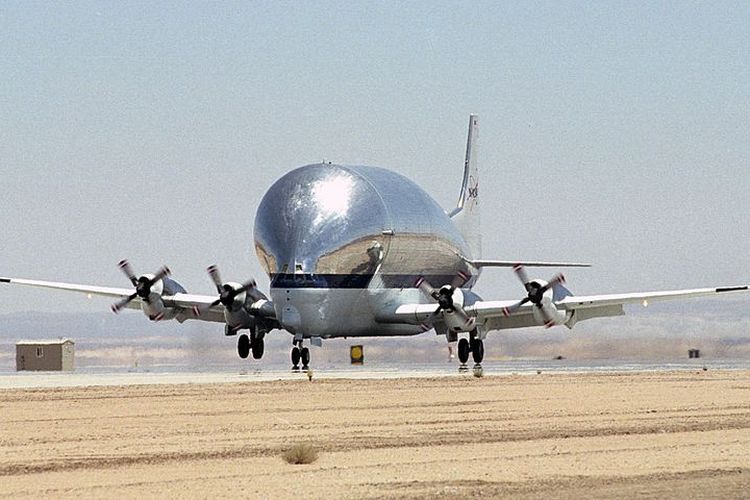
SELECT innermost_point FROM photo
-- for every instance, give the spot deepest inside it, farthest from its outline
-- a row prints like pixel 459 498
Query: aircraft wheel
pixel 243 346
pixel 295 358
pixel 258 348
pixel 463 351
pixel 305 357
pixel 477 350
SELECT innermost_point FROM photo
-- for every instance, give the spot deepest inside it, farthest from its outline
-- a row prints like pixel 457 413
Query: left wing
pixel 185 305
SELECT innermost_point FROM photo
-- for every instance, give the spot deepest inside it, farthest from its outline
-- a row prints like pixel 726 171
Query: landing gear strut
pixel 253 343
pixel 300 354
pixel 475 346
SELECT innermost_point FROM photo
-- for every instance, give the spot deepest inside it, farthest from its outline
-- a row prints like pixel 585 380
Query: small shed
pixel 45 355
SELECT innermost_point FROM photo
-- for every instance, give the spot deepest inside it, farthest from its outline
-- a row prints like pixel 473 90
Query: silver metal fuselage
pixel 340 243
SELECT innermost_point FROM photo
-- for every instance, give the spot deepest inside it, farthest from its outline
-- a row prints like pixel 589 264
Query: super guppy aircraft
pixel 355 251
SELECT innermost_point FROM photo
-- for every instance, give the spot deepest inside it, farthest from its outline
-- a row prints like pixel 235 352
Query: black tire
pixel 243 346
pixel 295 357
pixel 477 350
pixel 258 348
pixel 463 351
pixel 305 356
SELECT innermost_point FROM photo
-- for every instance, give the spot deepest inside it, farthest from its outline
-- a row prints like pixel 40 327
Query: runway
pixel 649 434
pixel 255 372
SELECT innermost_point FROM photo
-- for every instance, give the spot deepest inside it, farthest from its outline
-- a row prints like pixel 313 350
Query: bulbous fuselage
pixel 335 238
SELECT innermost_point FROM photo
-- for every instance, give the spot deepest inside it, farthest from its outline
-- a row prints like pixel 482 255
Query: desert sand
pixel 678 434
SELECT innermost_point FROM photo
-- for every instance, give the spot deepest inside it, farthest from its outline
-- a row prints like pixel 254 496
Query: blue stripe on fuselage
pixel 355 280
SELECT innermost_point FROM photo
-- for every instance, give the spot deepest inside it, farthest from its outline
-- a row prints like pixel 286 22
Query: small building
pixel 45 355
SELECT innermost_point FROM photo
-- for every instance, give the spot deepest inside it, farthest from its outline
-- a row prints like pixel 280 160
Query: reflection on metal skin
pixel 325 219
pixel 325 226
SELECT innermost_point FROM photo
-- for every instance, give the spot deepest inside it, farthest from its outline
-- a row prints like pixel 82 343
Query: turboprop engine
pixel 540 294
pixel 450 301
pixel 233 296
pixel 149 287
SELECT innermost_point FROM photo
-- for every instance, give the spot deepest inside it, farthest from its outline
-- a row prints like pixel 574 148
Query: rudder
pixel 466 214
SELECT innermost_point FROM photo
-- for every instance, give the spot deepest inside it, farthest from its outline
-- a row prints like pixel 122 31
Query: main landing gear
pixel 473 346
pixel 253 343
pixel 300 355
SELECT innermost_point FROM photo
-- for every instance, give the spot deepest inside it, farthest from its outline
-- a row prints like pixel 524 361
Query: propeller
pixel 535 291
pixel 444 296
pixel 142 285
pixel 227 292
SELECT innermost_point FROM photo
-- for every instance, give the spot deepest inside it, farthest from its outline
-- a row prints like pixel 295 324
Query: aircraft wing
pixel 184 302
pixel 491 314
pixel 573 302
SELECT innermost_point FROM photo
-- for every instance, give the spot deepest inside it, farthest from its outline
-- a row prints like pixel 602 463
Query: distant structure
pixel 45 355
pixel 694 353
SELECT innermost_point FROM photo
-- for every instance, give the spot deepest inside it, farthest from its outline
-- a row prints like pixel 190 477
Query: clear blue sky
pixel 611 132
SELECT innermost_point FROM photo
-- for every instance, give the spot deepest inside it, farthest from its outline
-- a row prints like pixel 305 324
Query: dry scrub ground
pixel 683 434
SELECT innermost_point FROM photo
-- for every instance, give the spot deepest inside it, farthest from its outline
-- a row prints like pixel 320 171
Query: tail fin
pixel 466 213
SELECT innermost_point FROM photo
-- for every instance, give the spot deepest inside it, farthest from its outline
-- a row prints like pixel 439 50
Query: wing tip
pixel 728 289
pixel 4 280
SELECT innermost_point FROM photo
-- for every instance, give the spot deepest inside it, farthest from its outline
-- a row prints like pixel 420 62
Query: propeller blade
pixel 248 285
pixel 118 306
pixel 426 288
pixel 508 311
pixel 521 273
pixel 464 315
pixel 160 274
pixel 428 322
pixel 124 266
pixel 559 278
pixel 548 322
pixel 460 279
pixel 213 272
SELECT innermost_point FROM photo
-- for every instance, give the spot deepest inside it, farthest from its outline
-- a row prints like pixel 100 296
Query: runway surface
pixel 256 372
pixel 647 434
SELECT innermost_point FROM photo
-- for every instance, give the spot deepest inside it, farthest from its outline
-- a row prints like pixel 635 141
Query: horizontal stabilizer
pixel 513 263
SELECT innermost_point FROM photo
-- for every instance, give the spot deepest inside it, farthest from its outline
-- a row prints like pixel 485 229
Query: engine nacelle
pixel 549 315
pixel 154 307
pixel 456 323
pixel 545 313
pixel 239 319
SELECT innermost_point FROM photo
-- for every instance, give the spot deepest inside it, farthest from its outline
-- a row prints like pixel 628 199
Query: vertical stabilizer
pixel 466 213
